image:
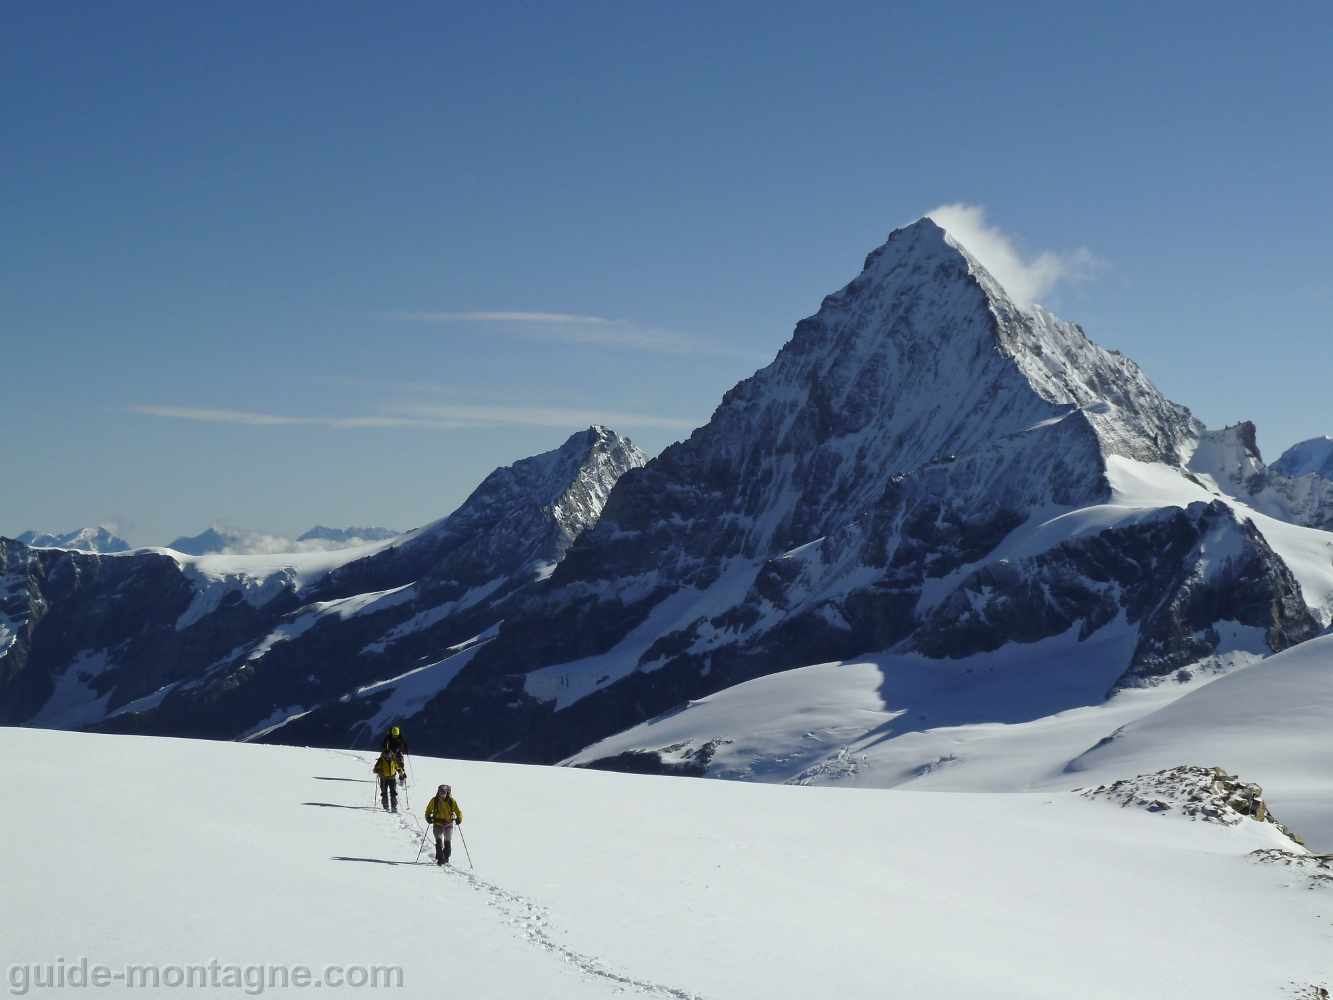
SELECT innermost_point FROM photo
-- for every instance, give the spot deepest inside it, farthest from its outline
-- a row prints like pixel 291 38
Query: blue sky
pixel 252 256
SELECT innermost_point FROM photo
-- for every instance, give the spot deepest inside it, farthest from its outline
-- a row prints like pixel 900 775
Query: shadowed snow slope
pixel 929 476
pixel 973 725
pixel 1272 723
pixel 590 884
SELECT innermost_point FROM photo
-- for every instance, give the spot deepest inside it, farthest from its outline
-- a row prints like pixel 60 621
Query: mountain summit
pixel 927 472
pixel 839 496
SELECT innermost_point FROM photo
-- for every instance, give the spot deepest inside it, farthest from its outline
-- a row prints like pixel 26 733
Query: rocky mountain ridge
pixel 202 645
pixel 926 466
pixel 1228 461
pixel 908 428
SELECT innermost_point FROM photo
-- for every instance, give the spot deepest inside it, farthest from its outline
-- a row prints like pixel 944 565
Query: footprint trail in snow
pixel 533 920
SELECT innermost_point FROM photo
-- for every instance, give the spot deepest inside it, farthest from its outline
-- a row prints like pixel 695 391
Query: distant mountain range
pixel 97 539
pixel 961 484
pixel 237 541
pixel 216 539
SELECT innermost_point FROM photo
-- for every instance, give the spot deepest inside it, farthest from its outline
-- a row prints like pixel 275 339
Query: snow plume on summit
pixel 1025 280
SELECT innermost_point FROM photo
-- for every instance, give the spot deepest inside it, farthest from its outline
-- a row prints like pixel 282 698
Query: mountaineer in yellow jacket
pixel 388 770
pixel 442 813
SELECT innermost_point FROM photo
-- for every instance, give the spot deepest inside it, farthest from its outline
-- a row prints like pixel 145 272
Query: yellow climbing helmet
pixel 393 731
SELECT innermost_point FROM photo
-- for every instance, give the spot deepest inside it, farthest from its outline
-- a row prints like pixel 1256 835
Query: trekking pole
pixel 422 847
pixel 465 850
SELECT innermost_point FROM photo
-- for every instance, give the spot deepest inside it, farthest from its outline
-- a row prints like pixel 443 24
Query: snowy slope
pixel 1014 717
pixel 971 725
pixel 590 884
pixel 1272 722
pixel 257 578
pixel 1313 456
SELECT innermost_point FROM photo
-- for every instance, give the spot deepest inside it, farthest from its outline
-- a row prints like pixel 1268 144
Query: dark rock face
pixel 690 762
pixel 903 432
pixel 851 497
pixel 1163 574
pixel 257 656
pixel 1207 794
pixel 67 602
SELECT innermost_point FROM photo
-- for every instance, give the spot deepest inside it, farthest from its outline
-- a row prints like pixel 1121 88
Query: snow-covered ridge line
pixel 1228 462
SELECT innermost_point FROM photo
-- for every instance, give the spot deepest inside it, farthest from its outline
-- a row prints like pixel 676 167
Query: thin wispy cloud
pixel 499 317
pixel 273 419
pixel 535 416
pixel 430 416
pixel 1025 279
pixel 567 328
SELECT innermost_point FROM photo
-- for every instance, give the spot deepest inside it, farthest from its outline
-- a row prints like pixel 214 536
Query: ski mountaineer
pixel 442 813
pixel 395 744
pixel 388 770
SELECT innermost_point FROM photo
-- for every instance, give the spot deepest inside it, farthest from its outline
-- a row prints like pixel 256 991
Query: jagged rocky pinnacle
pixel 861 493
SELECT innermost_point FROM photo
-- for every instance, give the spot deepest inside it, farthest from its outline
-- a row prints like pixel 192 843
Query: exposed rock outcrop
pixel 1208 794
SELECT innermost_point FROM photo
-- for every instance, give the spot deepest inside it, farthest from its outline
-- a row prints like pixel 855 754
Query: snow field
pixel 175 851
